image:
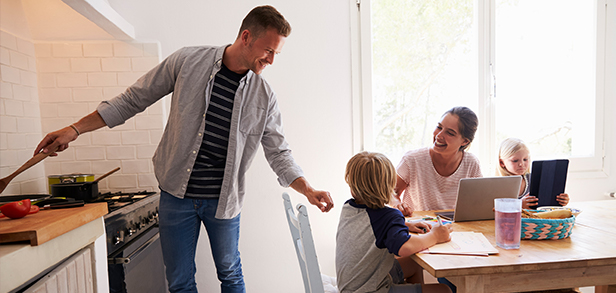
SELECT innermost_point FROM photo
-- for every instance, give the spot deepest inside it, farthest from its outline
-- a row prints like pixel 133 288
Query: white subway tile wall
pixel 73 79
pixel 48 86
pixel 20 117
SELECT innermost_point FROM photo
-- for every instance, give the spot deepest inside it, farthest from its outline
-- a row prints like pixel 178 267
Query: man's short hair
pixel 261 18
pixel 372 178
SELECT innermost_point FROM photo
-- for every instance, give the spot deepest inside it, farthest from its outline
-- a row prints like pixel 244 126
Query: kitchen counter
pixel 21 261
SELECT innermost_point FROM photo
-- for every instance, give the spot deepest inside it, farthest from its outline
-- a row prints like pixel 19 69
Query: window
pixel 529 69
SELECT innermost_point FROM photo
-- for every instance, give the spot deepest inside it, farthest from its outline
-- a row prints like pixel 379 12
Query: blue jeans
pixel 399 285
pixel 180 223
pixel 449 284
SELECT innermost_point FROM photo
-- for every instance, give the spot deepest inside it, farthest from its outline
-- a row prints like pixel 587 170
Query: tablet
pixel 547 180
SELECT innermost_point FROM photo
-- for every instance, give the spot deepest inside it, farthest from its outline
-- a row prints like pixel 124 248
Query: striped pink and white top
pixel 427 190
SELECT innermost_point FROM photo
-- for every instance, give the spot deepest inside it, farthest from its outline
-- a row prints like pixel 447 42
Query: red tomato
pixel 16 209
pixel 33 210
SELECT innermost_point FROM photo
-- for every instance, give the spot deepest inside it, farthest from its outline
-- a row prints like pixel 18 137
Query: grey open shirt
pixel 189 74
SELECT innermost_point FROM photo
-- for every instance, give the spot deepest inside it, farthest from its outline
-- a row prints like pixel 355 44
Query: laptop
pixel 476 196
pixel 547 180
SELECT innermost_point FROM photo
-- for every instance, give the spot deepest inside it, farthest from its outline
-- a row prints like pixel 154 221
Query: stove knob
pixel 119 238
pixel 155 218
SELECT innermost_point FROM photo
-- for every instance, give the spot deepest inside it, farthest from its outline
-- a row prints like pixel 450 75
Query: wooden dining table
pixel 586 258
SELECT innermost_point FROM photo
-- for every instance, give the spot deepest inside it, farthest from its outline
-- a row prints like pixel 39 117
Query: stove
pixel 130 215
pixel 134 253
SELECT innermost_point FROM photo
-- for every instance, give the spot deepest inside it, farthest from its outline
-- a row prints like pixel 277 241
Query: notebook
pixel 547 180
pixel 476 196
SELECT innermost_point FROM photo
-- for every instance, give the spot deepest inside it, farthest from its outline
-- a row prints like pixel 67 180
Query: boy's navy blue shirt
pixel 388 225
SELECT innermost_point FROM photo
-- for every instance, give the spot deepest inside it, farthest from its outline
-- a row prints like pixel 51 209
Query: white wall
pixel 20 119
pixel 74 77
pixel 47 85
pixel 312 80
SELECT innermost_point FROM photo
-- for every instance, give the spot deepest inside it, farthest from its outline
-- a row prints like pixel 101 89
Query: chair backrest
pixel 304 246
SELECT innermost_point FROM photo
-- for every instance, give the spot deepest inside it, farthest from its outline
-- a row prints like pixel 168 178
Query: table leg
pixel 469 284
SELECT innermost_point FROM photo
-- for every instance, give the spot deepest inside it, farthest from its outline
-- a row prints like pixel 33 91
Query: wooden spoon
pixel 33 161
pixel 107 174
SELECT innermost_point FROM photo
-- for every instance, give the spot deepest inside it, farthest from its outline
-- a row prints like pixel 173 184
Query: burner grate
pixel 116 200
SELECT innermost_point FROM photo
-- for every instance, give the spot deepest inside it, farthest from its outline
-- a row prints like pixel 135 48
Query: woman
pixel 428 178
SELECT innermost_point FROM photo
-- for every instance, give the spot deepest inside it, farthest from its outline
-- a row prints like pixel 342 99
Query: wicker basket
pixel 547 228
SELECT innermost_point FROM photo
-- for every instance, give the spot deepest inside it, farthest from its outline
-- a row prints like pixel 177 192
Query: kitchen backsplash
pixel 20 118
pixel 47 86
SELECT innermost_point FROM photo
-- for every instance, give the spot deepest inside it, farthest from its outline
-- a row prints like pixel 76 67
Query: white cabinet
pixel 20 263
pixel 73 275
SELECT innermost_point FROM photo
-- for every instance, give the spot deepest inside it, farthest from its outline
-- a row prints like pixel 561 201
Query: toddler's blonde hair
pixel 507 149
pixel 372 178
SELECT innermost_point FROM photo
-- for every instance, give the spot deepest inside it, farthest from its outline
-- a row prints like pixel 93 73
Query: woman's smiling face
pixel 447 137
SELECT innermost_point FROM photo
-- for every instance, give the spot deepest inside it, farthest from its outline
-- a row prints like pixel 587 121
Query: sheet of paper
pixel 465 243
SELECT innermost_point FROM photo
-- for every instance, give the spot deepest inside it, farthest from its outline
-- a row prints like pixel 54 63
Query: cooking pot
pixel 86 191
pixel 69 178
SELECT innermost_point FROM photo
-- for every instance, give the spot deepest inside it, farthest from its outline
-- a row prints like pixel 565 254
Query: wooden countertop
pixel 48 224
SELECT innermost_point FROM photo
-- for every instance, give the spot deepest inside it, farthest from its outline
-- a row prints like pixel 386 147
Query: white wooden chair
pixel 304 246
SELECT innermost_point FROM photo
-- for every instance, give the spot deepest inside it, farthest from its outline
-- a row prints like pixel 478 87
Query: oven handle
pixel 135 254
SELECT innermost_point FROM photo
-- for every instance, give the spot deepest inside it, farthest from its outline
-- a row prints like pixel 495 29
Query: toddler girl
pixel 514 159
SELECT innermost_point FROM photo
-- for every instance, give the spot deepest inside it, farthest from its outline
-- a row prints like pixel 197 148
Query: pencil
pixel 440 222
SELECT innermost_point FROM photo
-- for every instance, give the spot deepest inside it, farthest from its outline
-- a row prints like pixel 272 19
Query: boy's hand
pixel 419 227
pixel 529 201
pixel 563 199
pixel 441 233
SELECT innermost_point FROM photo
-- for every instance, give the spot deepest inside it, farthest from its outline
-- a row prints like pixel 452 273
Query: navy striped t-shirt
pixel 207 174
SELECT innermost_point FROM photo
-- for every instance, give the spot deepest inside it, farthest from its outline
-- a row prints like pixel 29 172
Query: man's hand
pixel 56 141
pixel 319 198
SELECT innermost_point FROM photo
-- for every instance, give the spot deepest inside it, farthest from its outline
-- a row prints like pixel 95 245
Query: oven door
pixel 138 266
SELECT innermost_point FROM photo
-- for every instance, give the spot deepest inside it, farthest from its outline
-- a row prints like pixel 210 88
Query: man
pixel 221 109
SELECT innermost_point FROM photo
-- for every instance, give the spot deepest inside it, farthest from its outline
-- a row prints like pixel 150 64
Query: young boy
pixel 370 235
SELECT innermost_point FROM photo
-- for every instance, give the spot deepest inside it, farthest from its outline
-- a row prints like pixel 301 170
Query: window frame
pixel 485 144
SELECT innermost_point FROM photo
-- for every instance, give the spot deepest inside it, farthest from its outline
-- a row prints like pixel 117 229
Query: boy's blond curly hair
pixel 372 178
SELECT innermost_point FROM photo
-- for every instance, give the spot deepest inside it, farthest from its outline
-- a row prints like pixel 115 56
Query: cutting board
pixel 48 224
